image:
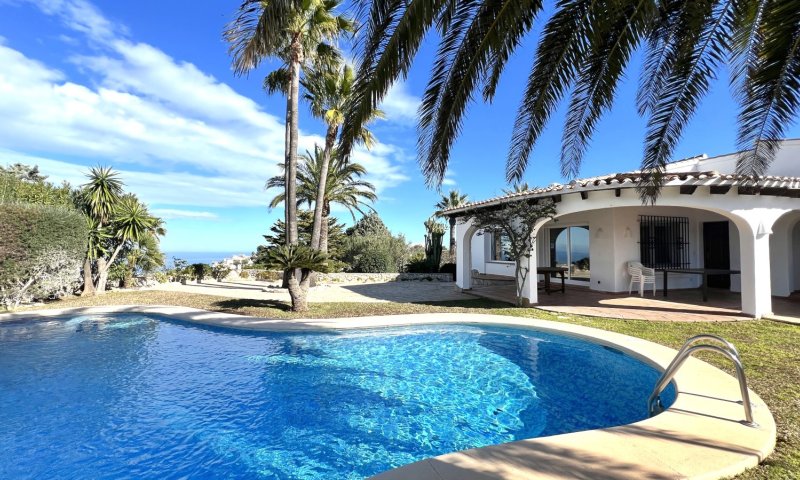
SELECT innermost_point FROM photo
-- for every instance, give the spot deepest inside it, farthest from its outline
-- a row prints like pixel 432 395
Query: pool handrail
pixel 727 349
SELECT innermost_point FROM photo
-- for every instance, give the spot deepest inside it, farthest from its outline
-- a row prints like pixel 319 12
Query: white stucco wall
pixel 784 164
pixel 796 249
pixel 614 241
pixel 751 220
pixel 478 252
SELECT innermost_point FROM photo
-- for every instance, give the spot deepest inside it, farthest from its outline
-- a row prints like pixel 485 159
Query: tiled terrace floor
pixel 679 306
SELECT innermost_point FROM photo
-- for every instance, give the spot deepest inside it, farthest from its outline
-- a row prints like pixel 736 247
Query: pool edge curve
pixel 700 436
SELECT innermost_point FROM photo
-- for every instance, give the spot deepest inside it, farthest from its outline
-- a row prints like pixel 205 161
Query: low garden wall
pixel 346 277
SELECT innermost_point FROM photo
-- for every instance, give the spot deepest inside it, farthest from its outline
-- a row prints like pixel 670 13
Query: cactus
pixel 433 244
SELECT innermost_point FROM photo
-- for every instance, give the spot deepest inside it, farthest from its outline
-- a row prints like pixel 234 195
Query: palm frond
pixel 705 34
pixel 479 33
pixel 613 37
pixel 770 92
pixel 559 53
pixel 257 32
pixel 396 31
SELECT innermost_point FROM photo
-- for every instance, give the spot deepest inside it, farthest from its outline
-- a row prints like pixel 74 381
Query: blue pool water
pixel 137 396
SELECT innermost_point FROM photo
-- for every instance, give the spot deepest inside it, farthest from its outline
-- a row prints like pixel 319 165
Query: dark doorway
pixel 717 252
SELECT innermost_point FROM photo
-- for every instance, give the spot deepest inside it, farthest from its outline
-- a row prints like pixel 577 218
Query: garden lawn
pixel 770 350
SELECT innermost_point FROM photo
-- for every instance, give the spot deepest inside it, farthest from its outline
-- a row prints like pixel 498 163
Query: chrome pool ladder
pixel 723 347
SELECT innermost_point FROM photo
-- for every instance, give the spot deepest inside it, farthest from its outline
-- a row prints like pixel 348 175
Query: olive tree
pixel 517 221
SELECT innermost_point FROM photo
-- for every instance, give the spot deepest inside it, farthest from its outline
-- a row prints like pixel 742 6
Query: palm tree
pixel 451 200
pixel 297 33
pixel 518 187
pixel 297 257
pixel 344 186
pixel 329 93
pixel 584 51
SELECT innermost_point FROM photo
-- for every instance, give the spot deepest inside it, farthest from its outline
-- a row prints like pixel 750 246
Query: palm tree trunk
pixel 298 295
pixel 319 204
pixel 291 150
pixel 323 238
pixel 88 281
pixel 453 239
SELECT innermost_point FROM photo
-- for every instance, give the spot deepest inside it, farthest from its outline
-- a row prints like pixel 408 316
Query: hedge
pixel 41 251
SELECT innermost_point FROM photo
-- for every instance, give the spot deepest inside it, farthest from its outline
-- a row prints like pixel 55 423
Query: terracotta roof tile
pixel 630 179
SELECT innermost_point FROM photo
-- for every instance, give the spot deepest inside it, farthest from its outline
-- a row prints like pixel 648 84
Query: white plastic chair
pixel 641 275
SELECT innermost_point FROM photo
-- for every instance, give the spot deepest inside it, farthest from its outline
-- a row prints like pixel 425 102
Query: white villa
pixel 707 217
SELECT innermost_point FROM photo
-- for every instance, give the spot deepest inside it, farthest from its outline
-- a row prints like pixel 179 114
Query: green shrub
pixel 375 260
pixel 449 268
pixel 269 275
pixel 200 271
pixel 219 271
pixel 42 248
pixel 417 266
pixel 16 190
pixel 161 277
pixel 375 254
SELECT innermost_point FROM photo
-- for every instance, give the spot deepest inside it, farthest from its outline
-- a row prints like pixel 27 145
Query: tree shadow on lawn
pixel 235 305
pixel 477 303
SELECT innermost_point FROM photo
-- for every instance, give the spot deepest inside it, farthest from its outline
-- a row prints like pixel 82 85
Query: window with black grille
pixel 664 241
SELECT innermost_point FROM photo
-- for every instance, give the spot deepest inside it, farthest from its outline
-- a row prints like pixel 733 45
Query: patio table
pixel 705 272
pixel 546 271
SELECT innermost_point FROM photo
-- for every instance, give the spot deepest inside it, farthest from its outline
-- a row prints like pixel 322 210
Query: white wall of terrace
pixel 613 209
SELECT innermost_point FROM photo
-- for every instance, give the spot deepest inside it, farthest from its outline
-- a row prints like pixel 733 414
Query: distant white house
pixel 706 217
pixel 237 262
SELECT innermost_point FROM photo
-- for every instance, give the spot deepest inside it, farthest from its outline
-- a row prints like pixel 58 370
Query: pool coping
pixel 700 436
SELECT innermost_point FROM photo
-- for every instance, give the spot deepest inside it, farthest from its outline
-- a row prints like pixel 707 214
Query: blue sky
pixel 147 87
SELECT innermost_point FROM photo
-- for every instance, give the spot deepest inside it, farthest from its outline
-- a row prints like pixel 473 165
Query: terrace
pixel 684 305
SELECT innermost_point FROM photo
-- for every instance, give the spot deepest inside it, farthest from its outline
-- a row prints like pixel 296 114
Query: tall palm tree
pixel 297 33
pixel 344 186
pixel 99 199
pixel 584 51
pixel 329 94
pixel 451 200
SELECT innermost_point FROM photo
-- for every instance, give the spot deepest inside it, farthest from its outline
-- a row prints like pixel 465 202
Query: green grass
pixel 770 350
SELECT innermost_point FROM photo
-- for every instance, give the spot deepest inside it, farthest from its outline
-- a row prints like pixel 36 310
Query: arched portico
pixel 753 217
pixel 785 254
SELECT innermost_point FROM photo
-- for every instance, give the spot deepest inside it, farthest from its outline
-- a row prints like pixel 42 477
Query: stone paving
pixel 403 292
pixel 679 306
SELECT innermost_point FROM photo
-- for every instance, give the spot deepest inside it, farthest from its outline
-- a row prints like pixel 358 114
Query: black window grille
pixel 664 241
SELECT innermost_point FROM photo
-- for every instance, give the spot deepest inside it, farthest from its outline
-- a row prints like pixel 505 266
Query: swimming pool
pixel 106 396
